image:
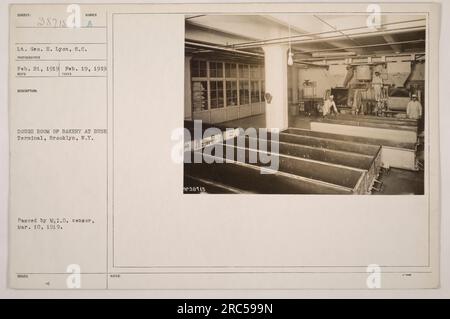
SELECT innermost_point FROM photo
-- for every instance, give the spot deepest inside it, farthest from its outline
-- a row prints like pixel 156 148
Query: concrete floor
pixel 259 121
pixel 402 182
pixel 396 182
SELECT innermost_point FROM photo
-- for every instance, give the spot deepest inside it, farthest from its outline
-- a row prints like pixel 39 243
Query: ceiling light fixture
pixel 290 60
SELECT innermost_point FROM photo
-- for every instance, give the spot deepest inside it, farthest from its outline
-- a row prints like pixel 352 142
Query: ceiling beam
pixel 308 22
pixel 397 48
pixel 215 47
pixel 370 46
pixel 327 35
pixel 361 51
pixel 201 32
pixel 331 38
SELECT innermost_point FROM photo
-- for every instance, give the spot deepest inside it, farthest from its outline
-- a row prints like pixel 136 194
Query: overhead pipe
pixel 337 30
pixel 303 61
pixel 223 48
pixel 259 55
pixel 323 32
pixel 265 42
pixel 330 54
pixel 358 57
pixel 325 66
pixel 355 35
pixel 249 53
pixel 361 46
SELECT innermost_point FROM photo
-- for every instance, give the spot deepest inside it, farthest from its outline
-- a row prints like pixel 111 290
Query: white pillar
pixel 187 88
pixel 294 80
pixel 275 60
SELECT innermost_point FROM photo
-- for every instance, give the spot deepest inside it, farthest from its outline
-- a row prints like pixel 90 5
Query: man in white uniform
pixel 377 84
pixel 329 103
pixel 414 108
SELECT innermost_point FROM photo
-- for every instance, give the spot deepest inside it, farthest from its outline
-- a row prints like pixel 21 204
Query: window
pixel 231 87
pixel 254 72
pixel 230 70
pixel 243 71
pixel 216 95
pixel 199 69
pixel 244 93
pixel 215 69
pixel 216 84
pixel 254 85
pixel 199 95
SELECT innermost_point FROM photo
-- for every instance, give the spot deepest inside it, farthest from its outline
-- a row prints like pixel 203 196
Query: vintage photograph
pixel 293 103
pixel 121 116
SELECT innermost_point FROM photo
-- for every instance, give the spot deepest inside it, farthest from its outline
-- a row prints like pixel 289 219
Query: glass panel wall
pixel 217 84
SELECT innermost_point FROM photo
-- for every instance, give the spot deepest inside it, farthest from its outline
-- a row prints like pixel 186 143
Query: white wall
pixel 325 79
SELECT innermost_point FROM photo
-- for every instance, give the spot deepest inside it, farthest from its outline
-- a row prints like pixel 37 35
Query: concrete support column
pixel 187 89
pixel 294 80
pixel 275 60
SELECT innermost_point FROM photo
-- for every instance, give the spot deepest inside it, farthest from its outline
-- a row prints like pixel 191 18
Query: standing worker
pixel 377 84
pixel 414 108
pixel 329 103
